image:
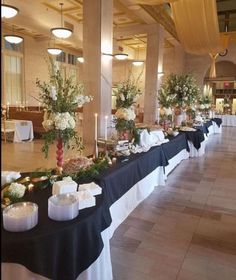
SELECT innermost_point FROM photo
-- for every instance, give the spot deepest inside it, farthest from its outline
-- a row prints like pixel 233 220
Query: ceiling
pixel 130 19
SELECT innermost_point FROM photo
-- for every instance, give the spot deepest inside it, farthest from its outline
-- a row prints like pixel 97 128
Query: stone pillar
pixel 97 68
pixel 154 64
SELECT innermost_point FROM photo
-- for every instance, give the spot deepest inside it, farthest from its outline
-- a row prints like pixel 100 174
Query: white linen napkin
pixel 92 187
pixel 85 198
pixel 65 186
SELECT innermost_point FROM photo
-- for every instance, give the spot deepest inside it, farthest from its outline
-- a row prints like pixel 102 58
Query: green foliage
pixel 91 172
pixel 127 93
pixel 178 90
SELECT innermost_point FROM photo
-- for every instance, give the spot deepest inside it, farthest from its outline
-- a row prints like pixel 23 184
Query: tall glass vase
pixel 59 157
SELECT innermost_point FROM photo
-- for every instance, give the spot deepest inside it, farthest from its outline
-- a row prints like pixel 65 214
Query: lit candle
pixel 106 118
pixel 30 187
pixel 96 126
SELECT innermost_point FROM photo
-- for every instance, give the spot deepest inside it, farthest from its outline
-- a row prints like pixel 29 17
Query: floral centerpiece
pixel 60 98
pixel 204 105
pixel 226 104
pixel 179 91
pixel 126 96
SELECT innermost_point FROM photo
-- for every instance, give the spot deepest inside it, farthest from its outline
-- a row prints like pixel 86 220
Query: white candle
pixel 106 118
pixel 158 115
pixel 96 126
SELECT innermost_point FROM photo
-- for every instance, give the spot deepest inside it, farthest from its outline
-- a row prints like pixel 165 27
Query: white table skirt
pixel 227 120
pixel 216 128
pixel 23 130
pixel 197 153
pixel 175 161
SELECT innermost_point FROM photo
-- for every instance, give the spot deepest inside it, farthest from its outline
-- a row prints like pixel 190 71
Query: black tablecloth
pixel 203 128
pixel 121 178
pixel 175 145
pixel 196 137
pixel 218 121
pixel 62 250
pixel 58 250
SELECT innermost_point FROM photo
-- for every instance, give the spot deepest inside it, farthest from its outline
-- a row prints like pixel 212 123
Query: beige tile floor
pixel 185 230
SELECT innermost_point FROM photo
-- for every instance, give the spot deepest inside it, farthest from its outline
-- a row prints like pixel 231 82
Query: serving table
pixel 79 249
pixel 227 120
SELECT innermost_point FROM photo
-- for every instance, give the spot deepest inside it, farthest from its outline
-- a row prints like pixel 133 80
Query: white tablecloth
pixel 227 120
pixel 23 130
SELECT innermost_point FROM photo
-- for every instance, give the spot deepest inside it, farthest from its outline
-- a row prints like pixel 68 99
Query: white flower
pixel 122 97
pixel 207 106
pixel 168 111
pixel 53 93
pixel 71 122
pixel 60 122
pixel 202 106
pixel 17 190
pixel 67 179
pixel 125 113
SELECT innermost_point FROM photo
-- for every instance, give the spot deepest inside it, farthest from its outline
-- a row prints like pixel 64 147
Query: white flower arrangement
pixel 61 98
pixel 125 113
pixel 178 91
pixel 17 190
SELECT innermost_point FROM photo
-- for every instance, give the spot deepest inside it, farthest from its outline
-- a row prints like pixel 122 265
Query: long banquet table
pixel 79 249
pixel 227 120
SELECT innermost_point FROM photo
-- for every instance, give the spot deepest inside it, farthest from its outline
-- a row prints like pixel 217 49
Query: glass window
pixel 71 59
pixel 61 57
pixel 13 78
pixel 13 47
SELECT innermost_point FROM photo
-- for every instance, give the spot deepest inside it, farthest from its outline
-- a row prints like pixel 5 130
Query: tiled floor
pixel 185 230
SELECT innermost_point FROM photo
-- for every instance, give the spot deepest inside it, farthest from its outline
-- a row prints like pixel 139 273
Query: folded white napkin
pixel 92 187
pixel 65 186
pixel 9 176
pixel 85 198
pixel 158 134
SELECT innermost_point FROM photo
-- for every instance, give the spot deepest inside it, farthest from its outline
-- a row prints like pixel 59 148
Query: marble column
pixel 154 64
pixel 97 68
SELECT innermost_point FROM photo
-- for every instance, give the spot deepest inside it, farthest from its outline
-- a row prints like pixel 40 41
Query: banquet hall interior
pixel 126 109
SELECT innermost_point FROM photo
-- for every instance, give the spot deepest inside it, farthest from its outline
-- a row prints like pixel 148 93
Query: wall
pixel 199 65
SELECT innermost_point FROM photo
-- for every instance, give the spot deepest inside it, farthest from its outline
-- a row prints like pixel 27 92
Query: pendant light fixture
pixel 53 50
pixel 8 11
pixel 121 56
pixel 137 62
pixel 80 59
pixel 61 32
pixel 13 39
